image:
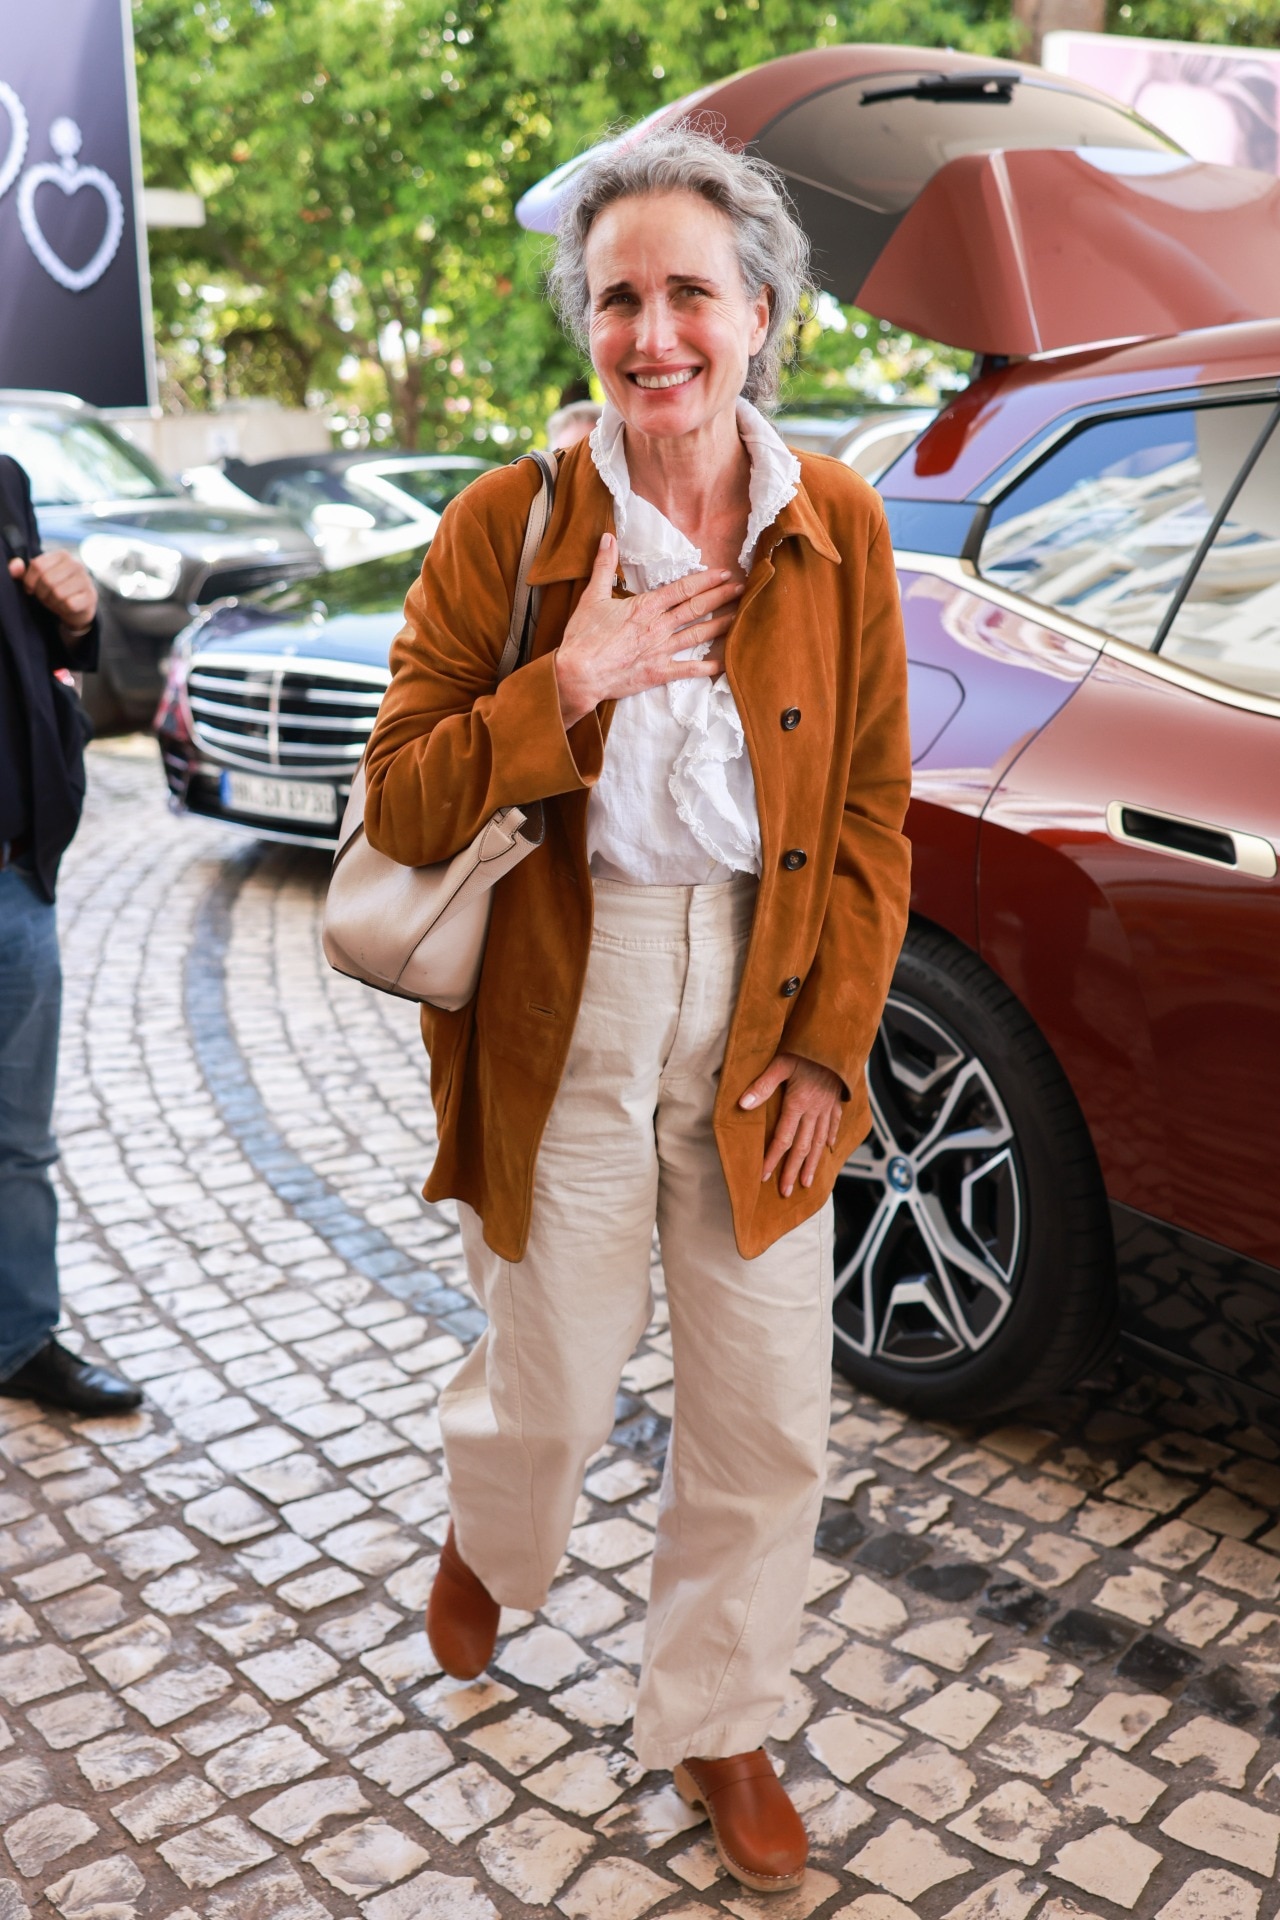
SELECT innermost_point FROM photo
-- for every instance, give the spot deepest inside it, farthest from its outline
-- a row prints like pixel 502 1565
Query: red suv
pixel 1076 1086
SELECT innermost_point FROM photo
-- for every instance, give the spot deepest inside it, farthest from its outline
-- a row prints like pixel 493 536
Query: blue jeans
pixel 30 1010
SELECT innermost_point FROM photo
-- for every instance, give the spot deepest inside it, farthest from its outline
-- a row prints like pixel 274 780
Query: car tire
pixel 975 1267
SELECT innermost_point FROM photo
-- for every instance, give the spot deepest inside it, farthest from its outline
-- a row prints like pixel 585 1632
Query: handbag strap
pixel 526 600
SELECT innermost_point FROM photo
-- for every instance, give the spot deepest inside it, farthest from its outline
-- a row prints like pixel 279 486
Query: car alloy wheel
pixel 974 1263
pixel 929 1210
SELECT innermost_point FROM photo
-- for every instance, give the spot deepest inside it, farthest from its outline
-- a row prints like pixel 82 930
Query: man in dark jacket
pixel 48 624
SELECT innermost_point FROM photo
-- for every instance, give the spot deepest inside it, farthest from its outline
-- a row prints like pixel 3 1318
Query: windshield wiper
pixel 994 87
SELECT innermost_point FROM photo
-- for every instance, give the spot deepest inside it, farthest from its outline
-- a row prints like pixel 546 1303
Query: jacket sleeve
pixel 839 1005
pixel 20 521
pixel 451 745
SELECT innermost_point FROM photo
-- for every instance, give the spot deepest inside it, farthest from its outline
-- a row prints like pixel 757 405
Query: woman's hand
pixel 615 647
pixel 808 1123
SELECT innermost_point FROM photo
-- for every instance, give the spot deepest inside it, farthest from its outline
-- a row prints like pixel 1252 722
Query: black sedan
pixel 155 552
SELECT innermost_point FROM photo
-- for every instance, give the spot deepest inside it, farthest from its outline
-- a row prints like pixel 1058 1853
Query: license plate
pixel 271 799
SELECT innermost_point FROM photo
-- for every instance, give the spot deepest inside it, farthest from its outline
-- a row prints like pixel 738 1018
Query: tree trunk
pixel 1038 17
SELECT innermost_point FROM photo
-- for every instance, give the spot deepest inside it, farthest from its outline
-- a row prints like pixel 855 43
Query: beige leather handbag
pixel 419 932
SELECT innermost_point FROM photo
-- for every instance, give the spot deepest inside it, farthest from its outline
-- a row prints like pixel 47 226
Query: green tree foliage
pixel 1239 23
pixel 360 161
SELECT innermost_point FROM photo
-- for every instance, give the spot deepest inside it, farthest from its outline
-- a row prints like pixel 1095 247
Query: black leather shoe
pixel 62 1379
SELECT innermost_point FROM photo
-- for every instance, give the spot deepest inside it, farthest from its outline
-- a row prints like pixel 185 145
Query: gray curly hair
pixel 773 250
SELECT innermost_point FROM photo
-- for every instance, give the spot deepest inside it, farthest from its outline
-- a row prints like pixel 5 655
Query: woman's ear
pixel 763 313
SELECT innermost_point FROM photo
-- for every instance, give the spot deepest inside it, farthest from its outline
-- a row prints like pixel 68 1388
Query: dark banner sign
pixel 74 304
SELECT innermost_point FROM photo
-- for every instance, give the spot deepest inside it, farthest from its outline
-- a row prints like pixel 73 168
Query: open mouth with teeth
pixel 657 382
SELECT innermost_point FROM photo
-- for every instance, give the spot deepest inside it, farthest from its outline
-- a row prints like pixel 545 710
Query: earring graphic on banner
pixel 64 138
pixel 19 129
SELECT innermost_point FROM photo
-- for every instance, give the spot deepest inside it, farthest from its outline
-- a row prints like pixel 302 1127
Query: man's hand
pixel 63 584
pixel 809 1121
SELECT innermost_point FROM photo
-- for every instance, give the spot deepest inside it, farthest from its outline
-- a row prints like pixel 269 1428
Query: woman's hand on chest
pixel 612 648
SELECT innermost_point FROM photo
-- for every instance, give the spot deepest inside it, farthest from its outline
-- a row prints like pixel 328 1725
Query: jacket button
pixel 790 719
pixel 791 986
pixel 794 858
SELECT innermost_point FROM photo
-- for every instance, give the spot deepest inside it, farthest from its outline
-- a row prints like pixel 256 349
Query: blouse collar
pixel 647 538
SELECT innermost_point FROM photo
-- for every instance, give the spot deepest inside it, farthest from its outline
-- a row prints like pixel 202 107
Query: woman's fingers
pixel 680 592
pixel 779 1069
pixel 797 1154
pixel 603 570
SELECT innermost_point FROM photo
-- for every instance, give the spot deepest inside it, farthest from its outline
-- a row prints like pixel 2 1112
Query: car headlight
pixel 135 569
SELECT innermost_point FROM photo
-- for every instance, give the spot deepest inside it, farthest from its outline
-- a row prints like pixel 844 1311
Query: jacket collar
pixel 584 510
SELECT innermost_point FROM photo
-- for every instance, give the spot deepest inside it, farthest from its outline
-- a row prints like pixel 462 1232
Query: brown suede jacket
pixel 817 665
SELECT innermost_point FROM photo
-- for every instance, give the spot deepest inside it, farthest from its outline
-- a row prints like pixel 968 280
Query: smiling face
pixel 672 327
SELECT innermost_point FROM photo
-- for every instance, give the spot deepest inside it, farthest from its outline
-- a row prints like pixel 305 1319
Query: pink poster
pixel 1219 103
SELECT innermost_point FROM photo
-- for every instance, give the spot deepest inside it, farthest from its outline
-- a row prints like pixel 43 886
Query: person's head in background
pixel 570 424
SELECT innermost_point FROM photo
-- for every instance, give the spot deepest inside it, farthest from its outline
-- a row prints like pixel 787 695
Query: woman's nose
pixel 655 328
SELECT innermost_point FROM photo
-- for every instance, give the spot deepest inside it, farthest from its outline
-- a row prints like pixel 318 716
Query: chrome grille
pixel 285 716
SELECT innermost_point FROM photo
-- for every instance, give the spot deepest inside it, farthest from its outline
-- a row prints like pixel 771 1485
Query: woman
pixel 681 985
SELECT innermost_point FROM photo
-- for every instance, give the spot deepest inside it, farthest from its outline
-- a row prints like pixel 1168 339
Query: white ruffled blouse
pixel 675 804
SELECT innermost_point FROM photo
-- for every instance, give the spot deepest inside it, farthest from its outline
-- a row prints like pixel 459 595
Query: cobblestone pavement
pixel 1038 1665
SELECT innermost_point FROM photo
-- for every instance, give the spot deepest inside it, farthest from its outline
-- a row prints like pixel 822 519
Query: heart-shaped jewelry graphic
pixel 18 131
pixel 64 138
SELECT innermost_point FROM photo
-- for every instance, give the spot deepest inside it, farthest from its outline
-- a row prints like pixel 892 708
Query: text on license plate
pixel 279 799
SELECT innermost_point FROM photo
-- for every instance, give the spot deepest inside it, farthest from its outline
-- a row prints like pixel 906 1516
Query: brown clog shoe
pixel 462 1619
pixel 758 1833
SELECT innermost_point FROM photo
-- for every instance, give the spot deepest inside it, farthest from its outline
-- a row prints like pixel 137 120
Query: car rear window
pixel 1107 525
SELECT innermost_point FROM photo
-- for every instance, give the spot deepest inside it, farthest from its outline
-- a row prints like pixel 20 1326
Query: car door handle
pixel 1191 839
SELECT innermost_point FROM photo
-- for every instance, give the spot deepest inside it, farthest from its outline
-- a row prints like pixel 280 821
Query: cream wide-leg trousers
pixel 628 1143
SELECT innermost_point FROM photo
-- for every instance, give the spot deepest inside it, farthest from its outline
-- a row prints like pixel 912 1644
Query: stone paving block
pixel 57 1577
pixel 267 1759
pixel 1108 1862
pixel 613 1889
pixel 273 1892
pixel 169 1803
pixel 34 1673
pixel 878 1679
pixel 1212 1895
pixel 907 1861
pixel 238 1717
pixel 956 1716
pixel 1039 1752
pixel 24 1783
pixel 207 1855
pixel 299 1812
pixel 130 1653
pixel 107 1890
pixel 269 1560
pixel 544 1658
pixel 87 1610
pixel 930 1781
pixel 1010 1897
pixel 121 1757
pixel 433 1896
pixel 1124 1719
pixel 1016 1822
pixel 229 1516
pixel 585 1783
pixel 286 1673
pixel 175 1692
pixel 602 1699
pixel 460 1803
pixel 150 1550
pixel 847 1744
pixel 348 1715
pixel 406 1760
pixel 76 1717
pixel 362 1859
pixel 401 1663
pixel 1231 1830
pixel 37 1839
pixel 1115 1786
